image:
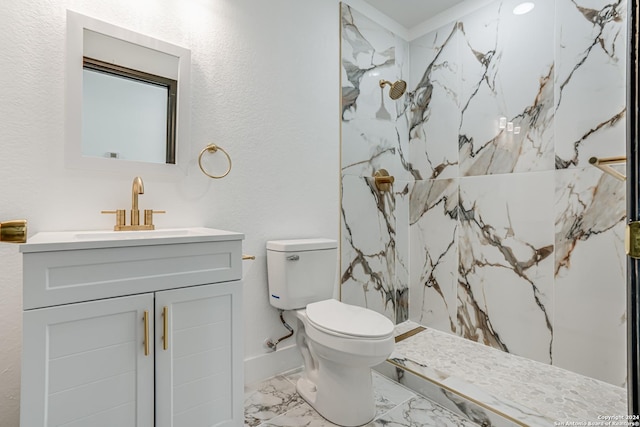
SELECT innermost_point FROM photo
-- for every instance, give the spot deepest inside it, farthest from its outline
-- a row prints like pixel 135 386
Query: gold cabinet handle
pixel 165 322
pixel 146 332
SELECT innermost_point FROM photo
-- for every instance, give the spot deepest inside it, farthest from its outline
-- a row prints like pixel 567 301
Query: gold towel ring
pixel 212 148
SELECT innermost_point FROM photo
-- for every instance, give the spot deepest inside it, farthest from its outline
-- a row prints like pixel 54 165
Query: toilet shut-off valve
pixel 273 345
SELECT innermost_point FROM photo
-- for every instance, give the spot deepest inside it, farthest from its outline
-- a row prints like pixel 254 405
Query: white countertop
pixel 98 239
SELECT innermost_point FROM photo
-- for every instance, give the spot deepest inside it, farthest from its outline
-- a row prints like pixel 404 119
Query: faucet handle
pixel 120 217
pixel 148 216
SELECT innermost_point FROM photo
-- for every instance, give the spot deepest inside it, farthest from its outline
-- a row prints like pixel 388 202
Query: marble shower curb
pixel 491 387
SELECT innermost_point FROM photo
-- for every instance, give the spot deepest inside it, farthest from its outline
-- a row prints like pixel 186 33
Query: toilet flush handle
pixel 293 257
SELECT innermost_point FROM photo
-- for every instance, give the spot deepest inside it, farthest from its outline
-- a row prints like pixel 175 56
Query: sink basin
pixel 68 240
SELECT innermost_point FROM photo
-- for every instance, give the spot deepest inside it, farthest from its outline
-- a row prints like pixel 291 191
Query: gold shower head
pixel 397 88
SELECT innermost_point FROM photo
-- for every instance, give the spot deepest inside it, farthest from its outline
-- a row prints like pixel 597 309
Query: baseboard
pixel 267 365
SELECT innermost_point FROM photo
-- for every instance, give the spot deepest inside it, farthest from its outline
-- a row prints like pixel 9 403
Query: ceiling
pixel 410 13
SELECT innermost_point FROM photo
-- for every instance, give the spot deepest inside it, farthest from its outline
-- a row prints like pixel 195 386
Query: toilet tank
pixel 301 271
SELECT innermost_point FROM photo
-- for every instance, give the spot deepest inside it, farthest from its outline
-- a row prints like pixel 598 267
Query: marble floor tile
pixel 419 412
pixel 388 394
pixel 274 402
pixel 302 415
pixel 268 399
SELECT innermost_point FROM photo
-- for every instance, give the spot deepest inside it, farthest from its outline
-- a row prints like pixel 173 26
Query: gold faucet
pixel 136 188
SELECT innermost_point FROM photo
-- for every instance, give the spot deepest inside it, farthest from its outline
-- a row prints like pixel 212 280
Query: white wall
pixel 265 86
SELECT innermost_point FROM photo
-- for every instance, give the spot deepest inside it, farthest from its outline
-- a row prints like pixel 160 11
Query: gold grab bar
pixel 212 148
pixel 604 164
pixel 383 180
pixel 14 231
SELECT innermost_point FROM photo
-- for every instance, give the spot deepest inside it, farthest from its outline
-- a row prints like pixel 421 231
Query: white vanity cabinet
pixel 195 369
pixel 133 332
pixel 84 365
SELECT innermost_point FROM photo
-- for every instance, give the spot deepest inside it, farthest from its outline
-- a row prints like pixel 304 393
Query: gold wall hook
pixel 14 231
pixel 383 180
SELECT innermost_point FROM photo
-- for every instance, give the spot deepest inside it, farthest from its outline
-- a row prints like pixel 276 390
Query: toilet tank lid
pixel 297 245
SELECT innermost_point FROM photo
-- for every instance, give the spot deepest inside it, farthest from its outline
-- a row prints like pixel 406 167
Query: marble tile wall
pixel 504 235
pixel 375 231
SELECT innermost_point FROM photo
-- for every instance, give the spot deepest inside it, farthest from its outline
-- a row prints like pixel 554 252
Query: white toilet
pixel 339 342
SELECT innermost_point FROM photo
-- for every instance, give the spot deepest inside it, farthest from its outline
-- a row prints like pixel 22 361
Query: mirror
pixel 127 100
pixel 127 114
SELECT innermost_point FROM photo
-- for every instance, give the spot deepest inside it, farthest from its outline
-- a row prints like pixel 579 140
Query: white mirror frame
pixel 76 25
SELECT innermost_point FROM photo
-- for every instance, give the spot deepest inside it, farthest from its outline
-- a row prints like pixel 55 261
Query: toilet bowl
pixel 340 343
pixel 336 380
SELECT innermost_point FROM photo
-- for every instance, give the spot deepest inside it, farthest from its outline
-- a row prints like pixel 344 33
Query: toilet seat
pixel 338 365
pixel 355 349
pixel 348 321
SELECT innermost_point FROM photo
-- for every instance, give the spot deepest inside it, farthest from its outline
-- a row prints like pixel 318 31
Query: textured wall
pixel 514 240
pixel 264 86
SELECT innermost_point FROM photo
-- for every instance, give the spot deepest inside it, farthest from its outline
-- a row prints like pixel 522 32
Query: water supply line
pixel 273 345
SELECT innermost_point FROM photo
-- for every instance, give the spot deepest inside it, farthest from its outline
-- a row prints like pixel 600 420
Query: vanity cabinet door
pixel 199 362
pixel 84 364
